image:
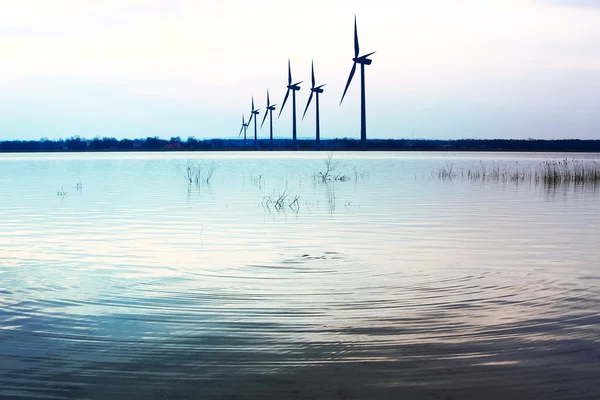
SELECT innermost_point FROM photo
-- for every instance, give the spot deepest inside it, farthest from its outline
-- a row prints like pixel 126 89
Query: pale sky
pixel 443 69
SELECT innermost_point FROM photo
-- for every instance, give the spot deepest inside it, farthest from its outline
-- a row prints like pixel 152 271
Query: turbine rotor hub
pixel 362 60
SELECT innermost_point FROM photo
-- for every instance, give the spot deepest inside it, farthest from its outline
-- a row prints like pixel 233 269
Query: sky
pixel 442 69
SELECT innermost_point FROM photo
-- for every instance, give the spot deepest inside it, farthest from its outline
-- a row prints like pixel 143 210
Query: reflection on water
pixel 135 282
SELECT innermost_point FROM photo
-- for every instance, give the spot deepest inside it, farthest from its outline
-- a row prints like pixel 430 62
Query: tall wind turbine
pixel 293 88
pixel 362 60
pixel 252 114
pixel 269 111
pixel 314 90
pixel 244 128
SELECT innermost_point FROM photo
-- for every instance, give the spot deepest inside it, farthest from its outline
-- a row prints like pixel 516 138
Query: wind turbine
pixel 269 111
pixel 293 88
pixel 362 60
pixel 316 90
pixel 252 114
pixel 244 128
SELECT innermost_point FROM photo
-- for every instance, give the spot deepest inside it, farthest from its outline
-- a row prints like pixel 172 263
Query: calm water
pixel 119 279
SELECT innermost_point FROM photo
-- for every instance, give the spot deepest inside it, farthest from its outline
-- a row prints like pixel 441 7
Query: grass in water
pixel 199 173
pixel 548 173
pixel 329 173
pixel 280 201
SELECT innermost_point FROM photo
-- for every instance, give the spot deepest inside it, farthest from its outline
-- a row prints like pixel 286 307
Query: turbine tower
pixel 244 128
pixel 269 111
pixel 315 90
pixel 362 60
pixel 252 114
pixel 293 88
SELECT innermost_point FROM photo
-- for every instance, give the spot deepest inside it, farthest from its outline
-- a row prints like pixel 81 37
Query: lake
pixel 120 278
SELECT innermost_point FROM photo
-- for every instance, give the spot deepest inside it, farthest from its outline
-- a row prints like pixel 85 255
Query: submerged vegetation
pixel 63 193
pixel 257 180
pixel 565 172
pixel 330 173
pixel 549 173
pixel 327 177
pixel 280 201
pixel 199 173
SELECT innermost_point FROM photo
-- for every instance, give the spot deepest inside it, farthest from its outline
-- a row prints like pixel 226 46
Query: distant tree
pixel 110 143
pixel 96 144
pixel 191 142
pixel 154 143
pixel 125 144
pixel 75 144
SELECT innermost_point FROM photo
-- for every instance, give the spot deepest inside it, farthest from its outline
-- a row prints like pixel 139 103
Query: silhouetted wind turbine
pixel 293 88
pixel 244 128
pixel 269 111
pixel 363 60
pixel 316 90
pixel 253 113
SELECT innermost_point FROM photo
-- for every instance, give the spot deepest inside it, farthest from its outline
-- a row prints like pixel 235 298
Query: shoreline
pixel 176 144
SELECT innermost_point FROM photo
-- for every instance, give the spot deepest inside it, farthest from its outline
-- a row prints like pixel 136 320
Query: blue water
pixel 120 279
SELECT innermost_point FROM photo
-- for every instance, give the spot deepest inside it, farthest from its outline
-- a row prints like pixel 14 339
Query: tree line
pixel 78 144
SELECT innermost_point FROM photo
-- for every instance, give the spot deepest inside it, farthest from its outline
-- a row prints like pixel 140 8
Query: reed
pixel 280 201
pixel 209 170
pixel 331 198
pixel 447 171
pixel 329 173
pixel 257 180
pixel 548 173
pixel 570 172
pixel 199 173
pixel 360 175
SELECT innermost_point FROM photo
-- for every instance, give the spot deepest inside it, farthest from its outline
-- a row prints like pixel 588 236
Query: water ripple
pixel 149 288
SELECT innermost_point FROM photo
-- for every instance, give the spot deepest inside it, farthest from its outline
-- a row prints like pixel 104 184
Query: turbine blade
pixel 355 39
pixel 307 104
pixel 268 103
pixel 252 103
pixel 313 74
pixel 241 129
pixel 367 55
pixel 284 100
pixel 320 86
pixel 262 123
pixel 251 115
pixel 289 73
pixel 243 119
pixel 349 80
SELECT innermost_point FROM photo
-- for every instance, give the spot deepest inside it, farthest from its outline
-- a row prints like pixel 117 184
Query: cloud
pixel 64 17
pixel 573 3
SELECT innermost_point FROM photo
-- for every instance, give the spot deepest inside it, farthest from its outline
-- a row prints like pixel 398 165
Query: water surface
pixel 120 279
